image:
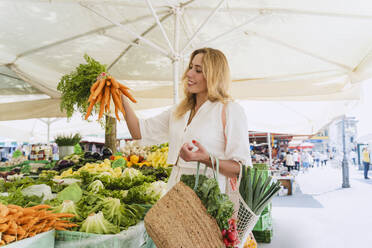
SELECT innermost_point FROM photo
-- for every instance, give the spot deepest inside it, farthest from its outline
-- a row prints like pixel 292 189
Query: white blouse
pixel 206 127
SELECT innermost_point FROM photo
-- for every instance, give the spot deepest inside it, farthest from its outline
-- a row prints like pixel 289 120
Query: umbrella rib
pixel 98 30
pixel 203 25
pixel 50 92
pixel 289 11
pixel 363 60
pixel 136 41
pixel 148 42
pixel 160 26
pixel 282 43
pixel 229 31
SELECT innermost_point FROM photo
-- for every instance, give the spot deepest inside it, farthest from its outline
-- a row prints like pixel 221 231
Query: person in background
pixel 305 160
pixel 366 162
pixel 353 156
pixel 296 159
pixel 324 158
pixel 289 161
pixel 316 158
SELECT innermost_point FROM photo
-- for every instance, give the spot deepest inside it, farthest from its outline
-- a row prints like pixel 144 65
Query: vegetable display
pixel 90 192
pixel 103 90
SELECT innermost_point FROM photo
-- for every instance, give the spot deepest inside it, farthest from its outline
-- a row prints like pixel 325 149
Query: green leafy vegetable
pixel 121 162
pixel 67 140
pixel 67 206
pixel 17 154
pixel 96 186
pixel 17 198
pixel 218 205
pixel 142 194
pixel 72 192
pixel 96 223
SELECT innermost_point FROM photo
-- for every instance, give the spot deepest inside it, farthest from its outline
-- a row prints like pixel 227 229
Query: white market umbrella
pixel 288 50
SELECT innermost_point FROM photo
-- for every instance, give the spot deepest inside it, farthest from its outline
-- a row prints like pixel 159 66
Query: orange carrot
pixel 108 82
pixel 99 98
pixel 115 97
pixel 123 87
pixel 94 86
pixel 108 103
pixel 4 211
pixel 127 94
pixel 8 238
pixel 116 113
pixel 64 215
pixel 3 227
pixel 90 108
pixel 41 206
pixel 99 88
pixel 103 102
pixel 115 83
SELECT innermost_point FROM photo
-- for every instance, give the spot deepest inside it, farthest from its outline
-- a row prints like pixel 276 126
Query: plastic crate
pixel 264 236
pixel 264 222
pixel 261 166
pixel 264 174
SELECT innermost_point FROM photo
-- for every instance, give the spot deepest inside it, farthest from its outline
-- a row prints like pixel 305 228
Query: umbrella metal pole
pixel 176 57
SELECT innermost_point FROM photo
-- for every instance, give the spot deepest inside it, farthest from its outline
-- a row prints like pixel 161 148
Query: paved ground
pixel 322 214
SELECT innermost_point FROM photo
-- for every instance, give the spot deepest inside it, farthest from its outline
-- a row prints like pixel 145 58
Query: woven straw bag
pixel 179 219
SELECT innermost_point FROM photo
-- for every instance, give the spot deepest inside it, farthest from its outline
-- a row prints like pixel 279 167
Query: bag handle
pixel 215 168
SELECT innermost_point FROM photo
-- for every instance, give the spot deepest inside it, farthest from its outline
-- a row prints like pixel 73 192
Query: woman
pixel 205 122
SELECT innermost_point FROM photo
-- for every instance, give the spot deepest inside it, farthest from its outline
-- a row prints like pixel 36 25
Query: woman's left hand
pixel 200 155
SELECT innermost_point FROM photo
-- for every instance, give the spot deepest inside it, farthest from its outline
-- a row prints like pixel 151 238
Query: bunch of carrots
pixel 18 223
pixel 105 88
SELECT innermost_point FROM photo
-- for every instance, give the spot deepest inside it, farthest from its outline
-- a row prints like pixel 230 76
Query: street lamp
pixel 345 165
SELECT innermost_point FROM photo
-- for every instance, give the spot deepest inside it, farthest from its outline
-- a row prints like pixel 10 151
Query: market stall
pixel 86 183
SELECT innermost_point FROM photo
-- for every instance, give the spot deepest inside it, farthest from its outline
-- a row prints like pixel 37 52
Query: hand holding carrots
pixel 105 88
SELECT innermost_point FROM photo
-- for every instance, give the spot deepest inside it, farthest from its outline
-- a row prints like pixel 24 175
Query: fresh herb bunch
pixel 67 140
pixel 75 87
pixel 256 191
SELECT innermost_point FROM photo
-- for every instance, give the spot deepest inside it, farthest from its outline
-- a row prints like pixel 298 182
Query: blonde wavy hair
pixel 216 71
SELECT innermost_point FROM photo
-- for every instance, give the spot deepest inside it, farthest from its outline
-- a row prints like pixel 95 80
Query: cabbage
pixel 96 186
pixel 131 173
pixel 73 192
pixel 157 189
pixel 96 223
pixel 67 206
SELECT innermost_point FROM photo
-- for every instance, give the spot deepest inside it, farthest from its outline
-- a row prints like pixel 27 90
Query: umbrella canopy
pixel 289 50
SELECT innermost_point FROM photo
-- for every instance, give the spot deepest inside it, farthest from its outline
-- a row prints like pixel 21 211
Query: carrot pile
pixel 105 88
pixel 18 223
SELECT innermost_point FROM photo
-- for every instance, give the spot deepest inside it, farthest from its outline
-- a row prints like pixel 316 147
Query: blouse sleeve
pixel 155 130
pixel 237 136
